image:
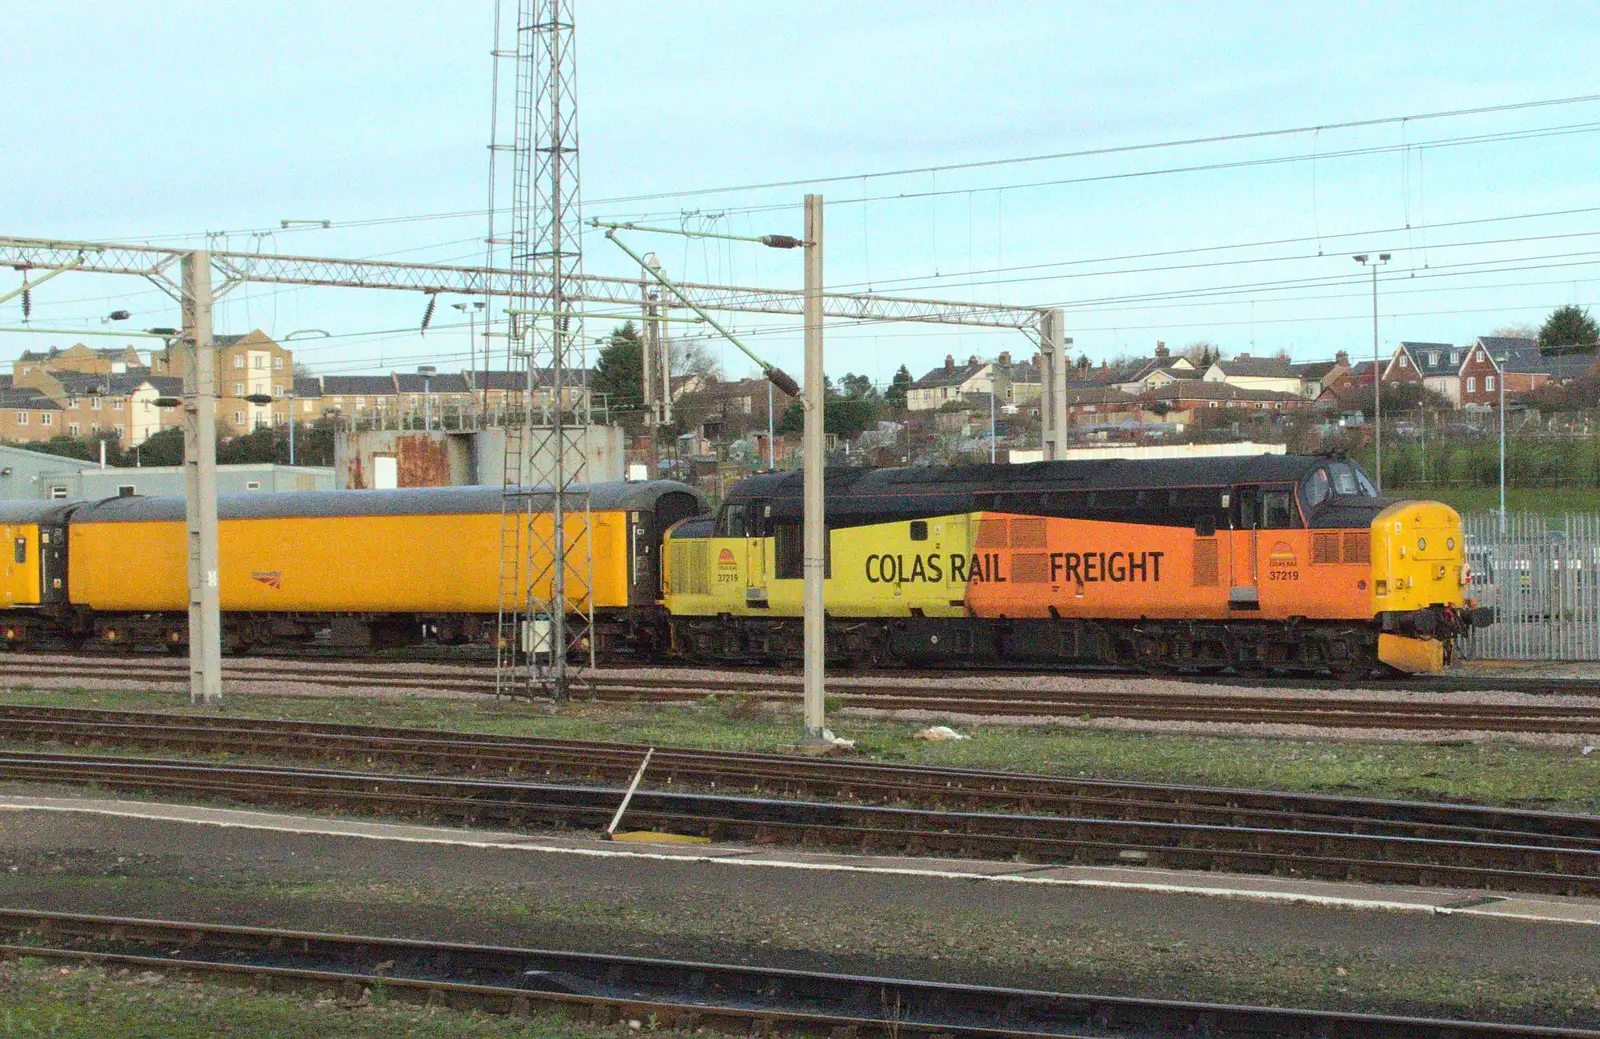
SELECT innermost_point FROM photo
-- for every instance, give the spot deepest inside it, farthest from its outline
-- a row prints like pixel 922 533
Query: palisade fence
pixel 1542 576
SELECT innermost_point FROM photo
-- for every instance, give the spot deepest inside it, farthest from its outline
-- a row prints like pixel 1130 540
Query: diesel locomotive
pixel 1271 562
pixel 1275 562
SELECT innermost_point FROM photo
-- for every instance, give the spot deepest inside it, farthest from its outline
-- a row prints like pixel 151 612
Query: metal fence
pixel 1542 576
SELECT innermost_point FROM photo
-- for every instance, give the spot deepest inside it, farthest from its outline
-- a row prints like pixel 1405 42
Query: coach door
pixel 1244 595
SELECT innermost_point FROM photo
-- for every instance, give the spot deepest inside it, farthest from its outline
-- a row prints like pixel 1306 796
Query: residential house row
pixel 84 392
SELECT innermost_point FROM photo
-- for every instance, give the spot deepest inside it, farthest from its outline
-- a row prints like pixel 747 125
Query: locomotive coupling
pixel 1437 621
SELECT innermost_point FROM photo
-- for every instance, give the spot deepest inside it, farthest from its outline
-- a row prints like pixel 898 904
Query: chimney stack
pixel 973 359
pixel 1005 358
pixel 1342 357
pixel 949 363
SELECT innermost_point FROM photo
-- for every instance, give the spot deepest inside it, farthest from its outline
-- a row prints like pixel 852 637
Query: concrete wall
pixel 369 459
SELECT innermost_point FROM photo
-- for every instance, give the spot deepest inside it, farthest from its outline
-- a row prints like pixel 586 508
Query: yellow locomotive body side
pixel 740 576
pixel 995 565
pixel 426 563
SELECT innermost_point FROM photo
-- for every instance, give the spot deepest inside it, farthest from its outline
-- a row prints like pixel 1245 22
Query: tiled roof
pixel 1523 357
pixel 443 382
pixel 1436 359
pixel 307 386
pixel 361 385
pixel 1309 370
pixel 1245 366
pixel 498 380
pixel 942 376
pixel 27 400
pixel 5 382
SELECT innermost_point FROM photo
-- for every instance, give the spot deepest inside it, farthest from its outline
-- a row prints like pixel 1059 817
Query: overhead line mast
pixel 545 631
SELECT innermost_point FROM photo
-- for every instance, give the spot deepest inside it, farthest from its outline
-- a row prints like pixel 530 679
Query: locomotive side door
pixel 1244 595
pixel 758 534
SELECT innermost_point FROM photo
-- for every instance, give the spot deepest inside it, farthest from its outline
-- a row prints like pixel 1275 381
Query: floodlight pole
pixel 815 533
pixel 200 481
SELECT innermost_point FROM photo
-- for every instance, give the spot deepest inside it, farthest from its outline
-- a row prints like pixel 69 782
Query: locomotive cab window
pixel 738 521
pixel 19 551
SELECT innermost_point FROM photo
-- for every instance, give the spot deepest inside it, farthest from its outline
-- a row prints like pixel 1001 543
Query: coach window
pixel 20 550
pixel 919 530
pixel 1276 513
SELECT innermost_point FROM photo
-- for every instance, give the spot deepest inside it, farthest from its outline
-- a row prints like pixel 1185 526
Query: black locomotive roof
pixel 411 501
pixel 1091 474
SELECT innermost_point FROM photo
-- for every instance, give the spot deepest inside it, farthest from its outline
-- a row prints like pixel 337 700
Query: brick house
pixel 950 382
pixel 247 365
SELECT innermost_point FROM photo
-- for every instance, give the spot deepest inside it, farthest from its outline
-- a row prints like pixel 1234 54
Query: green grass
pixel 980 943
pixel 40 997
pixel 1543 500
pixel 1495 772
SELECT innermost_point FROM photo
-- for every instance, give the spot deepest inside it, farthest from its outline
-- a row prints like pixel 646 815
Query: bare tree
pixel 1202 353
pixel 694 357
pixel 1517 330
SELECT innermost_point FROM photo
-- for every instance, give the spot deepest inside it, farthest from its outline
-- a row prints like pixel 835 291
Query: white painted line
pixel 1558 913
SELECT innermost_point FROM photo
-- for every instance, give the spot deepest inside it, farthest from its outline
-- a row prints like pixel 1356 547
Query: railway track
pixel 778 776
pixel 1054 822
pixel 733 999
pixel 1347 711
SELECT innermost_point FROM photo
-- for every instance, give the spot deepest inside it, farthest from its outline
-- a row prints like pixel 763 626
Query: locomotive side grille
pixel 991 534
pixel 690 574
pixel 1324 548
pixel 1205 563
pixel 1357 547
pixel 1028 533
pixel 1030 568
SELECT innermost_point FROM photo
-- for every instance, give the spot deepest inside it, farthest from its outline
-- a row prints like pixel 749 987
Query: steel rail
pixel 872 694
pixel 679 994
pixel 1177 844
pixel 785 776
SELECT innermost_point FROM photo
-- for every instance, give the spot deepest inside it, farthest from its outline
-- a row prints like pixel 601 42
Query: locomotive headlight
pixel 1450 544
pixel 1422 544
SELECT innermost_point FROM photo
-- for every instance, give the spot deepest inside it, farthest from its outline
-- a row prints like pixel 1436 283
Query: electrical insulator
pixel 427 315
pixel 27 302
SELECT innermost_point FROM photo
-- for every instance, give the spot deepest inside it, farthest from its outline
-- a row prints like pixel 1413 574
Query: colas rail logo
pixel 1282 555
pixel 725 560
pixel 270 578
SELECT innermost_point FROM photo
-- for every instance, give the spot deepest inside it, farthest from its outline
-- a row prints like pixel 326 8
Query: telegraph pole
pixel 815 530
pixel 200 481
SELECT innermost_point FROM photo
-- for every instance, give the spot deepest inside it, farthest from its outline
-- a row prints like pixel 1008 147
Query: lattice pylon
pixel 545 633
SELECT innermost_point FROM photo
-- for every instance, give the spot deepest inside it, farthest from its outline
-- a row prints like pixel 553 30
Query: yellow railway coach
pixel 33 575
pixel 356 568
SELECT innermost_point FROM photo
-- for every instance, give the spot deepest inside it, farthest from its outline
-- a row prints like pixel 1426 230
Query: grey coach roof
pixel 31 510
pixel 414 501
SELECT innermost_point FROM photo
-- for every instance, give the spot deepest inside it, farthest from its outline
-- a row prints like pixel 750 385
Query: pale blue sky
pixel 123 120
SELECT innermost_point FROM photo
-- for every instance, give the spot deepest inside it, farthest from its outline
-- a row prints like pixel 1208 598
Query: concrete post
pixel 200 482
pixel 815 546
pixel 1053 377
